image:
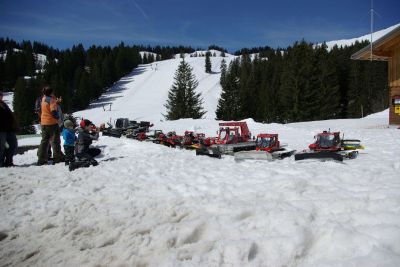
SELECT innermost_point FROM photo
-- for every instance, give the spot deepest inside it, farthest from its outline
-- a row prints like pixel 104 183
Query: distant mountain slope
pixel 347 42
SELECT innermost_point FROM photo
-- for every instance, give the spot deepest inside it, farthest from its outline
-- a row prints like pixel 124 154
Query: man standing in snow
pixel 49 117
pixel 8 139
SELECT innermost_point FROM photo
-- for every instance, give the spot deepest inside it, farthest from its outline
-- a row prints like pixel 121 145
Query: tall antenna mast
pixel 372 24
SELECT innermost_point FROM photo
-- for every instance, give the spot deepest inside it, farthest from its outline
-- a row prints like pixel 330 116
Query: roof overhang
pixel 381 49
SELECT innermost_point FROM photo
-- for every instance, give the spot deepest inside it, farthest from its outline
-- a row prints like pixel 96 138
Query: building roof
pixel 381 48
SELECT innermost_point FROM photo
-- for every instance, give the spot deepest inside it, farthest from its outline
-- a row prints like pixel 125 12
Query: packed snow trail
pixel 149 205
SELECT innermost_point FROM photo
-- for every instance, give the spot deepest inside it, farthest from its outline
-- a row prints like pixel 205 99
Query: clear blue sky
pixel 232 24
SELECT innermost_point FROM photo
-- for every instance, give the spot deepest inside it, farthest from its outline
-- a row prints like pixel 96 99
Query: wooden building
pixel 387 48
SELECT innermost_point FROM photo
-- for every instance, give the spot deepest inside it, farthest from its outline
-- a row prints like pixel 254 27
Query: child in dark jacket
pixel 85 137
pixel 68 134
pixel 85 154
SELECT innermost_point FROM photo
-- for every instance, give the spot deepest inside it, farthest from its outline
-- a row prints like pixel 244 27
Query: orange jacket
pixel 49 114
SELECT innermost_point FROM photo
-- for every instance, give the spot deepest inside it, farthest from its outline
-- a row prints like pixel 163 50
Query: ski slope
pixel 142 94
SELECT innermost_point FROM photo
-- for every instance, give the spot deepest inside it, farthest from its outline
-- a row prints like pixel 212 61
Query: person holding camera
pixel 87 132
pixel 49 121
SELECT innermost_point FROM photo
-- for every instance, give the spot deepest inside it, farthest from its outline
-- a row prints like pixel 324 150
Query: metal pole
pixel 372 23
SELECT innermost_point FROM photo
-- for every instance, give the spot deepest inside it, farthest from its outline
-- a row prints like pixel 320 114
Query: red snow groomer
pixel 192 140
pixel 327 145
pixel 171 139
pixel 232 137
pixel 268 147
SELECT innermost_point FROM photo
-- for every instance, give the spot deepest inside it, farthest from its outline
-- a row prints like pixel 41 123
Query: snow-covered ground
pixel 149 205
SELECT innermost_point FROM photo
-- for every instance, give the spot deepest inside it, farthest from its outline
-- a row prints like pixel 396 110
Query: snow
pixel 8 98
pixel 149 205
pixel 41 60
pixel 202 54
pixel 141 95
pixel 382 114
pixel 347 42
pixel 142 53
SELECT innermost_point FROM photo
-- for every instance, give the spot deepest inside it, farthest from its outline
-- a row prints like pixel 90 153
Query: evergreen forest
pixel 299 83
pixel 303 82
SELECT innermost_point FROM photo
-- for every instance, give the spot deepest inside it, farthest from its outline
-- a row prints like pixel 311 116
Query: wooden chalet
pixel 387 48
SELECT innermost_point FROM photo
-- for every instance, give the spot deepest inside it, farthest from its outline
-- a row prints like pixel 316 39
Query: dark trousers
pixel 89 154
pixel 69 153
pixel 50 134
pixel 7 154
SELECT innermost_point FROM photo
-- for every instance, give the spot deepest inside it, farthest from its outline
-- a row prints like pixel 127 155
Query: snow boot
pixel 78 164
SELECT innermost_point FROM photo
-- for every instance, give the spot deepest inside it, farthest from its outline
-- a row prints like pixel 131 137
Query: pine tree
pixel 106 72
pixel 223 69
pixel 25 94
pixel 229 104
pixel 120 62
pixel 327 85
pixel 208 62
pixel 144 58
pixel 10 70
pixel 355 94
pixel 183 101
pixel 298 83
pixel 246 88
pixel 83 93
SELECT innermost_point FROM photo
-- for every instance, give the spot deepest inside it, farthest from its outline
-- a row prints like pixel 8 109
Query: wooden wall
pixel 394 67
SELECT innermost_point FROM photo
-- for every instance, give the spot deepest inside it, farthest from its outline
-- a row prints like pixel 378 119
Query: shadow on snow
pixel 108 97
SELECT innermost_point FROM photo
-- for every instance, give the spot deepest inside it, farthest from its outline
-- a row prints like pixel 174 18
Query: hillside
pixel 141 95
pixel 347 42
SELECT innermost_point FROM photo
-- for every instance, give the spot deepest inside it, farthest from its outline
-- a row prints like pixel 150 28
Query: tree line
pixel 301 83
pixel 77 74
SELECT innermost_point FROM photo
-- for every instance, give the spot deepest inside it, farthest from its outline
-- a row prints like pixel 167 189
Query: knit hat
pixel 68 124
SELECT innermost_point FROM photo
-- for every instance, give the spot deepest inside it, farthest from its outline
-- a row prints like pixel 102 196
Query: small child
pixel 86 134
pixel 68 134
